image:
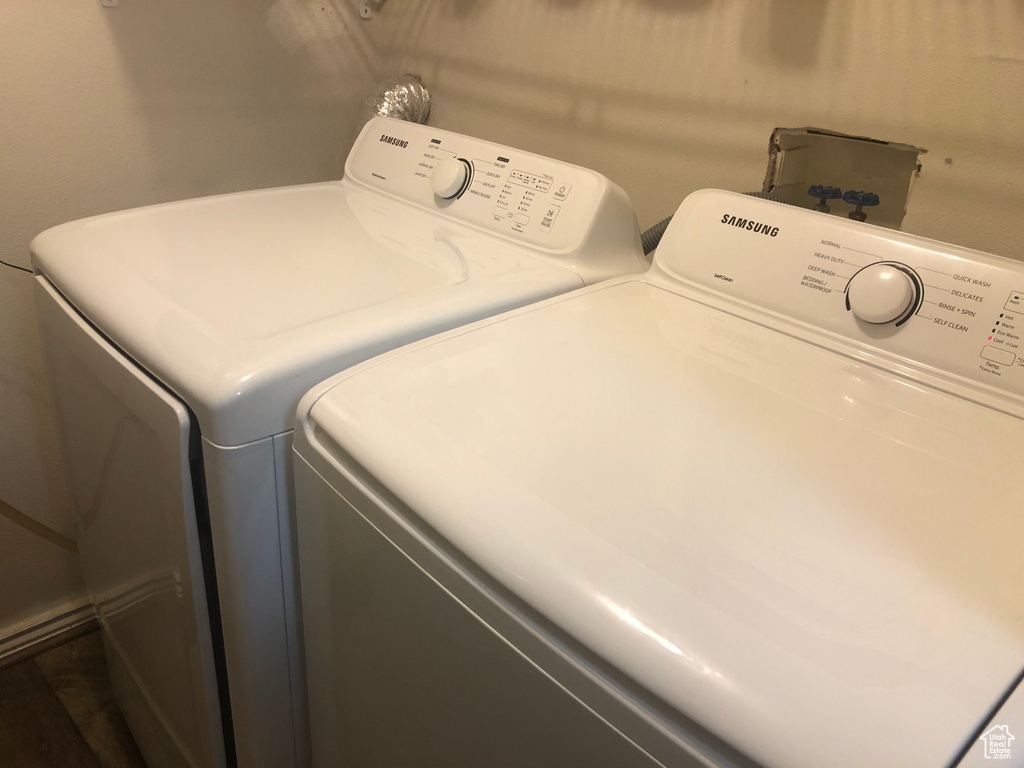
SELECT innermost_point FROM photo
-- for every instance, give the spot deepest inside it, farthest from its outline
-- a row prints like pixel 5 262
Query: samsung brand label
pixel 750 224
pixel 393 141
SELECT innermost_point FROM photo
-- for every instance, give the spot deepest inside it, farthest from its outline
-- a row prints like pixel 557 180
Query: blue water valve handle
pixel 860 199
pixel 823 193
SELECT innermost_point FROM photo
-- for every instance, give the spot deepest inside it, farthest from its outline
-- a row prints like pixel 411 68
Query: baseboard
pixel 47 631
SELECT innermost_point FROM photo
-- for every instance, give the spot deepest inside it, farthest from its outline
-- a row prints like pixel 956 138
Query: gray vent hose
pixel 652 236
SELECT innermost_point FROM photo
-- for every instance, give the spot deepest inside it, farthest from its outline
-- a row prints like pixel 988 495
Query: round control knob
pixel 881 293
pixel 449 177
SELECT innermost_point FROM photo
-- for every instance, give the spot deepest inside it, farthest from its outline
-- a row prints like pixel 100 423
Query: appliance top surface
pixel 803 547
pixel 241 302
pixel 252 266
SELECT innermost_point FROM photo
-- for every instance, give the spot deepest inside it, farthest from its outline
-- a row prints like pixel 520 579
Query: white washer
pixel 180 339
pixel 702 516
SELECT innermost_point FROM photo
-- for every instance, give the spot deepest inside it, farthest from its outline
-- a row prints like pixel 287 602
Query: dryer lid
pixel 805 553
pixel 240 303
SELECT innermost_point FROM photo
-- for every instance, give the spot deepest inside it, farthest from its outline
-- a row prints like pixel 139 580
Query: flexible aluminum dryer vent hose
pixel 652 236
pixel 405 98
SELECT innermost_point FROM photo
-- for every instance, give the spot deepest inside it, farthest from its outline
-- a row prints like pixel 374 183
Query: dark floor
pixel 57 709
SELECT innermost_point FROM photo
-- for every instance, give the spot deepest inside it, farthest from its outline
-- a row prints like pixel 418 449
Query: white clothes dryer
pixel 180 338
pixel 762 505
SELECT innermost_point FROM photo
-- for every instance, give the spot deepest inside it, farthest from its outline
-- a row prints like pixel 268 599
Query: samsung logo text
pixel 750 224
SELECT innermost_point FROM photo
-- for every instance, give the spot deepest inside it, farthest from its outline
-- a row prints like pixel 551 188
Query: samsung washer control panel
pixel 949 308
pixel 542 202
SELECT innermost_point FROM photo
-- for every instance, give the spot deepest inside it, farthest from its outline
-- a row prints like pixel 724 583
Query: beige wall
pixel 102 109
pixel 109 108
pixel 668 96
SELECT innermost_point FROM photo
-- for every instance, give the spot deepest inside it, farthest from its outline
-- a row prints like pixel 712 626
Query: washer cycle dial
pixel 881 293
pixel 451 176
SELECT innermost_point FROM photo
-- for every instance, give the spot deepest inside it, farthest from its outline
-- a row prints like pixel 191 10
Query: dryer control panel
pixel 528 198
pixel 948 308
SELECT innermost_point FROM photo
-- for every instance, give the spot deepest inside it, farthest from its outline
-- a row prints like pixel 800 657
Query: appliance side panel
pixel 244 518
pixel 284 470
pixel 406 674
pixel 126 441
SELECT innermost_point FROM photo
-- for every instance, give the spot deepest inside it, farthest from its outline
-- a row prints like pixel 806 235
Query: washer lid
pixel 240 303
pixel 808 555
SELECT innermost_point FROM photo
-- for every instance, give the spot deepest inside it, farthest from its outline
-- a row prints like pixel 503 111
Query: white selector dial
pixel 449 176
pixel 881 293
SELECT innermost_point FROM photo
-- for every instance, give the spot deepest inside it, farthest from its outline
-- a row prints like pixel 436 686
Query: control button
pixel 522 218
pixel 1015 302
pixel 562 191
pixel 450 177
pixel 501 212
pixel 997 355
pixel 881 293
pixel 549 217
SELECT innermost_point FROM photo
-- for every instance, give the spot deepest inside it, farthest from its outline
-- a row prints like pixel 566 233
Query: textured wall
pixel 668 96
pixel 110 108
pixel 105 109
